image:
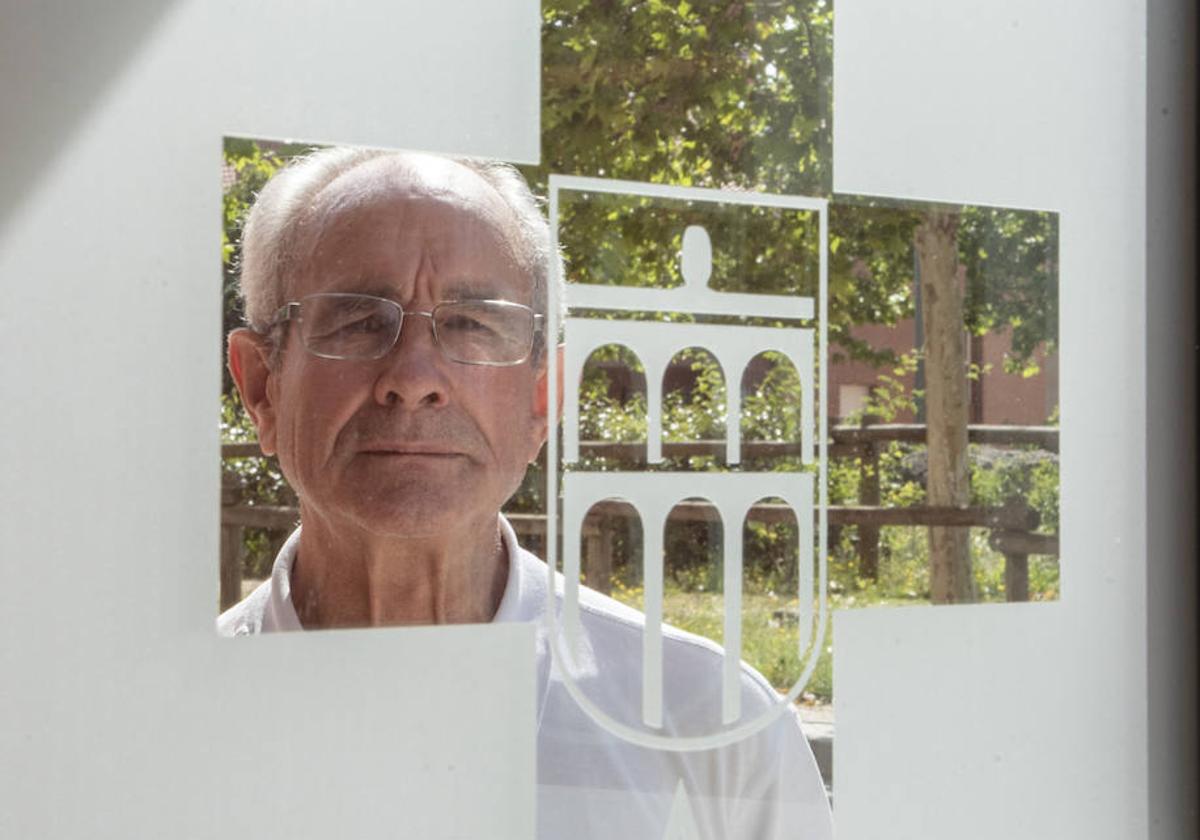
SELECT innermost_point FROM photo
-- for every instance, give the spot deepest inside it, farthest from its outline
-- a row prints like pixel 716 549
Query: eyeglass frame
pixel 283 315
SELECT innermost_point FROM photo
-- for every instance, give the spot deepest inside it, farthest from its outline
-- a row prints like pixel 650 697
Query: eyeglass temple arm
pixel 282 314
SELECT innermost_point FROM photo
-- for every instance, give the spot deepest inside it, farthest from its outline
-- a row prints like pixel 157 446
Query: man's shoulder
pixel 245 618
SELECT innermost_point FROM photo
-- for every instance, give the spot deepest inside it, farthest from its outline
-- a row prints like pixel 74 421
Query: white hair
pixel 270 235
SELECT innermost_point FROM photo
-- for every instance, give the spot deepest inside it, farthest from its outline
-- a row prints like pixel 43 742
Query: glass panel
pixel 776 402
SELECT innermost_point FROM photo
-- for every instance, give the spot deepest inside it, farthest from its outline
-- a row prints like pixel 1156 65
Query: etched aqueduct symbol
pixel 654 493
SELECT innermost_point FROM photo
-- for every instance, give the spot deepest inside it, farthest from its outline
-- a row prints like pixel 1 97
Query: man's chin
pixel 425 513
pixel 405 498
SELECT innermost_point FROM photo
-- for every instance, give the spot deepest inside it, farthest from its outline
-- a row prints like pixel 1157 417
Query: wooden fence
pixel 1013 526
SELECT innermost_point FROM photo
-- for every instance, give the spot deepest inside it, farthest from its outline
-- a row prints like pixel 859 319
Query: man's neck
pixel 358 579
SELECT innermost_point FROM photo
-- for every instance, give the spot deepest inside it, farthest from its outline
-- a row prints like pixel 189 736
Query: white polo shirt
pixel 593 784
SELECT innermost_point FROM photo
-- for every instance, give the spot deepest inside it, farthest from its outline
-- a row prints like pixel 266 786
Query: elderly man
pixel 393 363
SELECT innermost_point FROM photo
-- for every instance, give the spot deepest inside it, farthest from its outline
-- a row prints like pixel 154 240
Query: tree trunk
pixel 947 401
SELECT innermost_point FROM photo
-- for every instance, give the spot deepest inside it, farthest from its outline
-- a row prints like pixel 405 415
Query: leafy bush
pixel 1000 476
pixel 253 480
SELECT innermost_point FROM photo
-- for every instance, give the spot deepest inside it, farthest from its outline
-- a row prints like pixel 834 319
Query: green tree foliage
pixel 255 480
pixel 737 96
pixel 247 168
pixel 1011 260
pixel 732 96
pixel 711 94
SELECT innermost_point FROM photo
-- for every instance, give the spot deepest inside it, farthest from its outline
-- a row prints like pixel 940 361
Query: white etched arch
pixel 653 570
pixel 662 385
pixel 801 357
pixel 580 345
pixel 653 496
pixel 655 343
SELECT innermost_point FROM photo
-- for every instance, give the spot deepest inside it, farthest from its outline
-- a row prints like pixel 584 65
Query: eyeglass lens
pixel 349 326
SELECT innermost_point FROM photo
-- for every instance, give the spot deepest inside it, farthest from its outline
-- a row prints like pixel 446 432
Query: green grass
pixel 770 645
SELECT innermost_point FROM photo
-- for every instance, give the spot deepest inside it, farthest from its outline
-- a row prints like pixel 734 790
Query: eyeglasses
pixel 335 325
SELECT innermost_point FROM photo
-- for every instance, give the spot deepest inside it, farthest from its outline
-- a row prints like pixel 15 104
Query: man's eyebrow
pixel 382 290
pixel 457 289
pixel 473 289
pixel 375 288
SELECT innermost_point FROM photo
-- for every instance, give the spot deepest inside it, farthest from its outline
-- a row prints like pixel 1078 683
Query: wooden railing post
pixel 868 496
pixel 597 556
pixel 1016 576
pixel 1015 545
pixel 231 545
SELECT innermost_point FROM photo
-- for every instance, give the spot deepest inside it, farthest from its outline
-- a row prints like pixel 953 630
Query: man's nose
pixel 414 371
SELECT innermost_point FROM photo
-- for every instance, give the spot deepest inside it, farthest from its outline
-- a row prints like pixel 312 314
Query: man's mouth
pixel 407 450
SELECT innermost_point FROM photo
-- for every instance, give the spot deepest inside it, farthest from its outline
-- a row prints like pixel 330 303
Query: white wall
pixel 121 713
pixel 1026 720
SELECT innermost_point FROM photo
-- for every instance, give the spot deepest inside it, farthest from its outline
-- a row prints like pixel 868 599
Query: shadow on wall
pixel 56 60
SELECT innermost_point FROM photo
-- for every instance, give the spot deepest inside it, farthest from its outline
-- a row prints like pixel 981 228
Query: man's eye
pixel 367 324
pixel 352 325
pixel 465 324
pixel 359 324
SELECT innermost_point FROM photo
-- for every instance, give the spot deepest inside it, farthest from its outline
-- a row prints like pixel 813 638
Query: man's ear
pixel 541 397
pixel 541 389
pixel 250 364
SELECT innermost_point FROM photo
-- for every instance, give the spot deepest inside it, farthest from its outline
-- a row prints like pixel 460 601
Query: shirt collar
pixel 523 598
pixel 280 614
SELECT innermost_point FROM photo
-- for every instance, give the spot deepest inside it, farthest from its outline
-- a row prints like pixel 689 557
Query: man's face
pixel 412 444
